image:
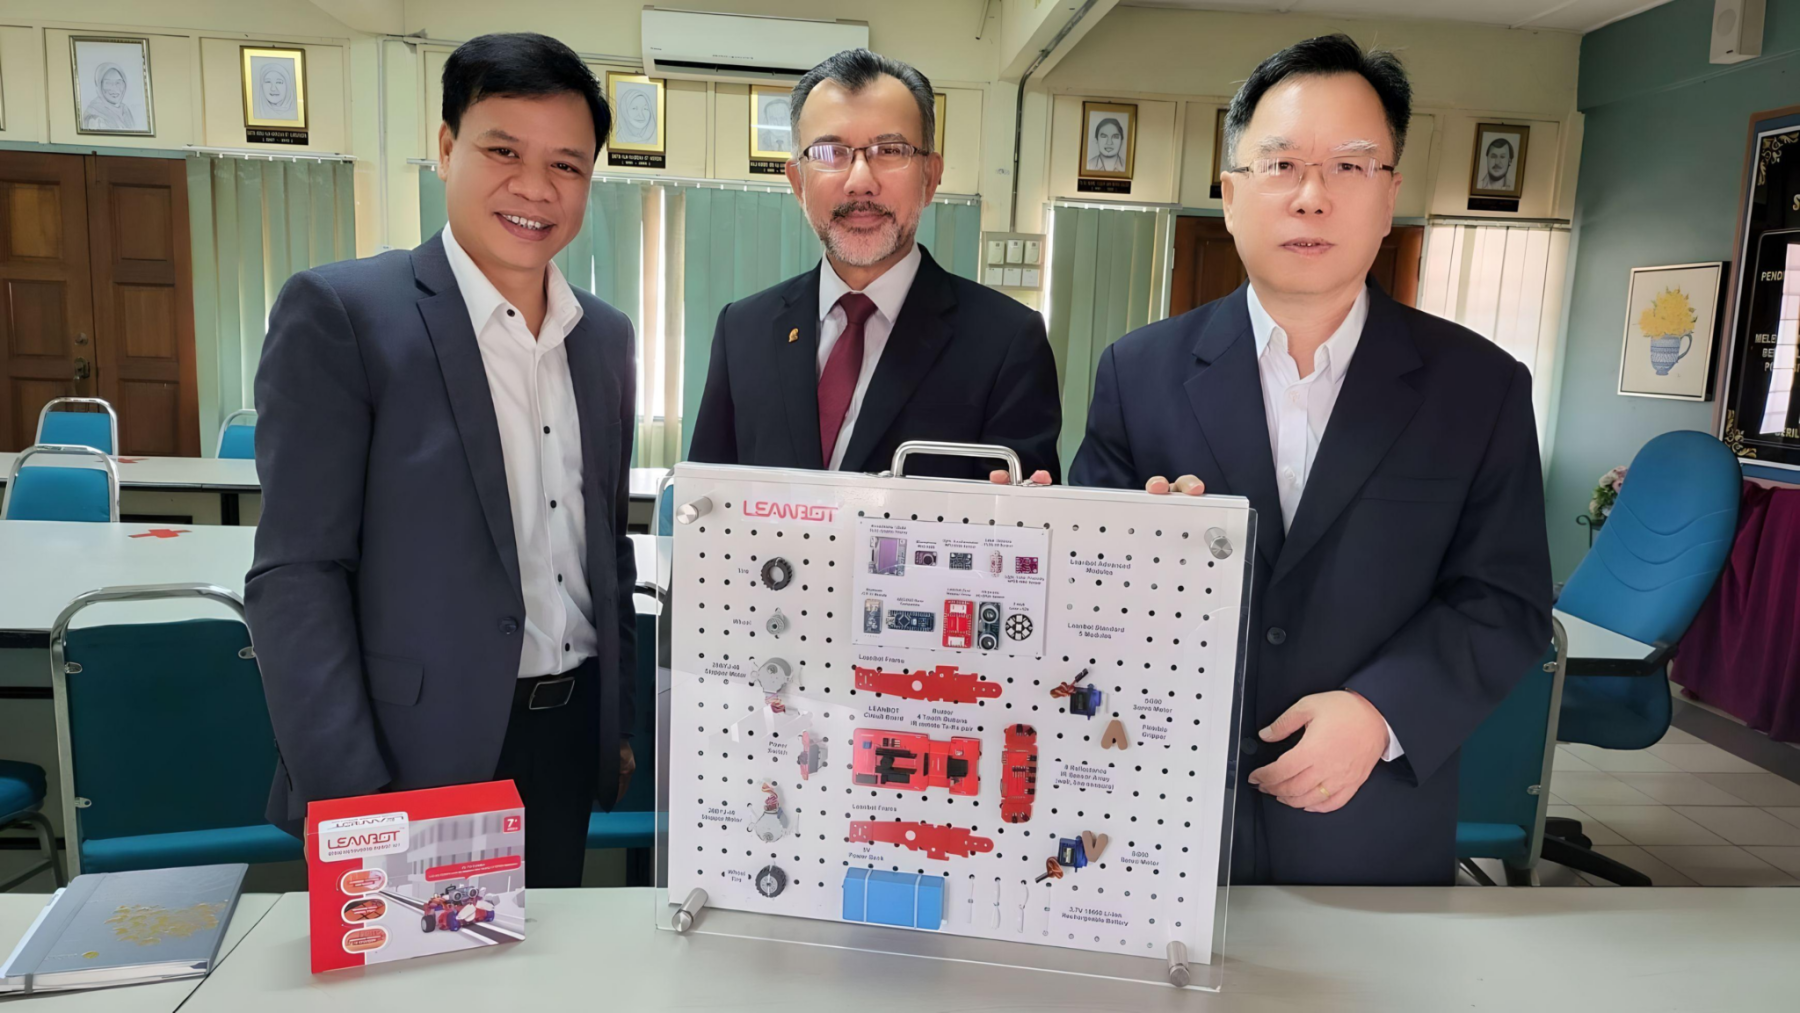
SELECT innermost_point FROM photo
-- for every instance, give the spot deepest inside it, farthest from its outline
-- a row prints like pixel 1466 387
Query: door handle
pixel 82 371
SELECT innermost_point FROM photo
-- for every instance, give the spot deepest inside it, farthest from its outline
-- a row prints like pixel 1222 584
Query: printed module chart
pixel 1000 713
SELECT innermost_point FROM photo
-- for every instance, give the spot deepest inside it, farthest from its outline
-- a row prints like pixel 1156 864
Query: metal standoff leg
pixel 688 513
pixel 690 909
pixel 1217 543
pixel 1179 972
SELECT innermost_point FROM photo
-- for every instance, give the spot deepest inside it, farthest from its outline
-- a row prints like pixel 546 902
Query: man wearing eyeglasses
pixel 1402 575
pixel 878 345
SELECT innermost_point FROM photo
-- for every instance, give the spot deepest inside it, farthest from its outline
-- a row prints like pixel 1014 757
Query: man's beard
pixel 871 246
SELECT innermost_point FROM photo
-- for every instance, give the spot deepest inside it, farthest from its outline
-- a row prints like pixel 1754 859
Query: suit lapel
pixel 1226 397
pixel 919 335
pixel 465 380
pixel 592 379
pixel 797 366
pixel 1373 408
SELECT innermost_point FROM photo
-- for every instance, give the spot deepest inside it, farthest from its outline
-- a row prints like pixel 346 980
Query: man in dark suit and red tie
pixel 879 345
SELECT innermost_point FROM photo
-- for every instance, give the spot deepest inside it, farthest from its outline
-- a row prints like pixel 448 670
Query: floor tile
pixel 1789 813
pixel 1681 788
pixel 1721 865
pixel 1703 758
pixel 1591 827
pixel 1652 824
pixel 1615 761
pixel 1567 761
pixel 1551 874
pixel 1743 824
pixel 1759 788
pixel 1676 735
pixel 1785 859
pixel 1582 788
pixel 1660 872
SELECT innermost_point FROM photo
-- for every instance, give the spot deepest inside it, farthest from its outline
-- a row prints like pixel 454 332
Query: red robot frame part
pixel 911 761
pixel 943 684
pixel 1018 773
pixel 936 841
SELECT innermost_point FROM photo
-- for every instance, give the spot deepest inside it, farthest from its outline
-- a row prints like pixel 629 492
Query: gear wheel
pixel 777 573
pixel 1018 626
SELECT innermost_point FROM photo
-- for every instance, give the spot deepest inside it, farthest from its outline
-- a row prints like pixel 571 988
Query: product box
pixel 412 873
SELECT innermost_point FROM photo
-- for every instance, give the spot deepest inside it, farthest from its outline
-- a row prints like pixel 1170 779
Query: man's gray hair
pixel 856 69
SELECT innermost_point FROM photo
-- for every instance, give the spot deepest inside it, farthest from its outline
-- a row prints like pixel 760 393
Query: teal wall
pixel 1660 167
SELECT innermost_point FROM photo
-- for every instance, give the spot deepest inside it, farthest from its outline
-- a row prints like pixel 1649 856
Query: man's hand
pixel 1039 477
pixel 1345 736
pixel 627 764
pixel 1187 485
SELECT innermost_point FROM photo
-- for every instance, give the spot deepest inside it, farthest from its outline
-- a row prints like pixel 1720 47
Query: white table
pixel 1290 949
pixel 1589 641
pixel 18 909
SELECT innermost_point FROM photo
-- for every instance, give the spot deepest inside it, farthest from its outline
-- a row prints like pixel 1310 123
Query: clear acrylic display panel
pixel 1085 525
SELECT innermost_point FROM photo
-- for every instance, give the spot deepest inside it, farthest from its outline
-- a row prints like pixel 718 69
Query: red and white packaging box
pixel 412 873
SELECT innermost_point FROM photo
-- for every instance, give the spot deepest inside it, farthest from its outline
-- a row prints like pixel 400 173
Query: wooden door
pixel 143 302
pixel 1206 264
pixel 46 299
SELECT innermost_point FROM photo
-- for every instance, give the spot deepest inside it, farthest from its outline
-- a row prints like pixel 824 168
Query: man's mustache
pixel 859 207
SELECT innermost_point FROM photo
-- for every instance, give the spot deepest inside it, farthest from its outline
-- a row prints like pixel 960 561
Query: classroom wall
pixel 1659 184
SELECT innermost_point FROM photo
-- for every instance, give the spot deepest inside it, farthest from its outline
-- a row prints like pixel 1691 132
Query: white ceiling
pixel 1564 15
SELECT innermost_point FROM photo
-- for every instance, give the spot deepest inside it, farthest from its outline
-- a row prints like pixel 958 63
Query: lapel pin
pixel 793 335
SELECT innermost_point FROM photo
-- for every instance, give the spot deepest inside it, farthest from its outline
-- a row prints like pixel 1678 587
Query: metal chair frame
pixel 69 450
pixel 102 402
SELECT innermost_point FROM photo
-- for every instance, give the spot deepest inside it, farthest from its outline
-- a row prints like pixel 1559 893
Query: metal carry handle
pixel 979 451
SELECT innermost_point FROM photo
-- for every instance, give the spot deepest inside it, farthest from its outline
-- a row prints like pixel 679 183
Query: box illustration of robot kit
pixel 413 873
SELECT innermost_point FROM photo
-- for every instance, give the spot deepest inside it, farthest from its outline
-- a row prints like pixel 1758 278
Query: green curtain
pixel 1100 288
pixel 253 224
pixel 734 243
pixel 952 232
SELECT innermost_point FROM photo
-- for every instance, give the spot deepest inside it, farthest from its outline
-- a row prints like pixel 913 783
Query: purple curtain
pixel 1742 653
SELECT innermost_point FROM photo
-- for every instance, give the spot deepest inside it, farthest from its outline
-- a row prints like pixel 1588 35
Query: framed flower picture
pixel 1671 327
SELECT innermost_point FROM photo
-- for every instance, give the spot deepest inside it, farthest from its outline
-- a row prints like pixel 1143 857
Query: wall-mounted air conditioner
pixel 737 47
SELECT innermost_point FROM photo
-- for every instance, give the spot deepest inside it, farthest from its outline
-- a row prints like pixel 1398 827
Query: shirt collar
pixel 1335 353
pixel 888 291
pixel 484 300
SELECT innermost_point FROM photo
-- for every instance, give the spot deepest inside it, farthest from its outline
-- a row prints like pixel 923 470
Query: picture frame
pixel 274 84
pixel 769 123
pixel 1108 140
pixel 640 104
pixel 940 104
pixel 1671 331
pixel 1497 163
pixel 112 87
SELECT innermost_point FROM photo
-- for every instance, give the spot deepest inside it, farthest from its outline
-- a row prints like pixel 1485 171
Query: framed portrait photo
pixel 638 105
pixel 274 87
pixel 770 123
pixel 1499 160
pixel 939 105
pixel 1108 140
pixel 1671 327
pixel 112 85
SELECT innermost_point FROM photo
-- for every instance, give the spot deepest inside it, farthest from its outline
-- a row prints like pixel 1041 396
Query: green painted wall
pixel 1660 167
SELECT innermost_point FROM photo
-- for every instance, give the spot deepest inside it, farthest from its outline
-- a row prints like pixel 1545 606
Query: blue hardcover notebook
pixel 126 928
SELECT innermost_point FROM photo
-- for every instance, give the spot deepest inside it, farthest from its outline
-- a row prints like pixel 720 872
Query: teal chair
pixel 164 738
pixel 21 802
pixel 99 428
pixel 1504 780
pixel 632 823
pixel 237 437
pixel 39 491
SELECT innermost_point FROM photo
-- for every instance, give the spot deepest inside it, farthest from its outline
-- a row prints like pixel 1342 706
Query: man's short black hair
pixel 1500 142
pixel 1327 54
pixel 520 65
pixel 856 69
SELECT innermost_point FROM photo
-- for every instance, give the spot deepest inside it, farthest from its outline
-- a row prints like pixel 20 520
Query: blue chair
pixel 21 802
pixel 1651 568
pixel 237 437
pixel 98 429
pixel 164 738
pixel 46 492
pixel 632 822
pixel 1505 772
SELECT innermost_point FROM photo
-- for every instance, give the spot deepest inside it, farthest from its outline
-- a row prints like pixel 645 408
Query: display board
pixel 1760 419
pixel 956 710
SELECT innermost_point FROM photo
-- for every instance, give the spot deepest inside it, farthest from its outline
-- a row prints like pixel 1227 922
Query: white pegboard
pixel 1131 593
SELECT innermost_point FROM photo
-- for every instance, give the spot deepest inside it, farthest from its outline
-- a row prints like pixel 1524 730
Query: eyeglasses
pixel 882 156
pixel 1347 175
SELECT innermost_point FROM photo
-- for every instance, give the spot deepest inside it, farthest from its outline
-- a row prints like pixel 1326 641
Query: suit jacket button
pixel 509 626
pixel 1277 636
pixel 1249 744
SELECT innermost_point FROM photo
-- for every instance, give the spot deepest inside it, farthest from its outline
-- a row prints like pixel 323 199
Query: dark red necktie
pixel 837 383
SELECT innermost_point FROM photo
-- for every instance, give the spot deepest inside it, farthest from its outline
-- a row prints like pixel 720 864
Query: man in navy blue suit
pixel 1402 575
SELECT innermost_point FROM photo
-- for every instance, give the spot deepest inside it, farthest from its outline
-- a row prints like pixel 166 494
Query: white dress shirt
pixel 888 292
pixel 1298 409
pixel 540 440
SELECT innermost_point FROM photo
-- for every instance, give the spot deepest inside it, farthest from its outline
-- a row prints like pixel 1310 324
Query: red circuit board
pixel 936 841
pixel 1018 773
pixel 943 684
pixel 910 761
pixel 959 622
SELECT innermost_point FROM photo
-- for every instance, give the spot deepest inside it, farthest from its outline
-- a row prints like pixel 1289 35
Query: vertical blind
pixel 1103 283
pixel 253 224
